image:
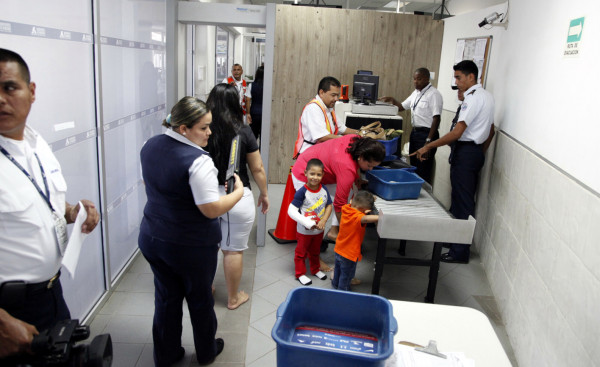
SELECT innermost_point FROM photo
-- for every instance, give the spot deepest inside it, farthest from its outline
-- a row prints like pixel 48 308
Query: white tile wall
pixel 538 235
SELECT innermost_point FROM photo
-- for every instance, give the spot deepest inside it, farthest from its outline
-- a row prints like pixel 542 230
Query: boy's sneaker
pixel 321 275
pixel 304 280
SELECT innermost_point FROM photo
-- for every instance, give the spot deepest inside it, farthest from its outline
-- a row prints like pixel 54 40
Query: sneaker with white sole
pixel 304 280
pixel 321 275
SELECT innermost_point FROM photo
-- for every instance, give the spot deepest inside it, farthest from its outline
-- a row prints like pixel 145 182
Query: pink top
pixel 340 168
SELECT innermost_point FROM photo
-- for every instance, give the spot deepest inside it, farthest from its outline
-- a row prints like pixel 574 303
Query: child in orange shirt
pixel 355 217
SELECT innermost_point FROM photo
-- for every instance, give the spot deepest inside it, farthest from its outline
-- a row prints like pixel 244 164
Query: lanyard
pixel 39 189
pixel 421 96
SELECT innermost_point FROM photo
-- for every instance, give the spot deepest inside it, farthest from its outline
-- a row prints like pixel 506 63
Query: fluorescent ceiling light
pixel 393 4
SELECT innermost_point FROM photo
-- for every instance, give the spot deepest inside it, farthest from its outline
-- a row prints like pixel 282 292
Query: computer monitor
pixel 365 88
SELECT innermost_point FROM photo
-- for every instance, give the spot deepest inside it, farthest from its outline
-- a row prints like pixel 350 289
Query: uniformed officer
pixel 470 138
pixel 425 104
pixel 33 216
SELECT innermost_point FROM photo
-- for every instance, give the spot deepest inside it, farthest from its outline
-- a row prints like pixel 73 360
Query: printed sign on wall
pixel 573 46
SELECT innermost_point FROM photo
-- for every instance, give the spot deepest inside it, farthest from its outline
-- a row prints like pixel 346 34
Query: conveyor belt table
pixel 421 219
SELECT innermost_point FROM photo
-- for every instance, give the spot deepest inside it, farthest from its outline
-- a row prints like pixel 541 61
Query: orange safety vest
pixel 300 139
pixel 232 81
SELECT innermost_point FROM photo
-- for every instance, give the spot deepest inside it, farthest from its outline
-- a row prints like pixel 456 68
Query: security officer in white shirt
pixel 470 138
pixel 33 216
pixel 425 104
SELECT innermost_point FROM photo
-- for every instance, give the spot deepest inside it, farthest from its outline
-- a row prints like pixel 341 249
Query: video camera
pixel 56 347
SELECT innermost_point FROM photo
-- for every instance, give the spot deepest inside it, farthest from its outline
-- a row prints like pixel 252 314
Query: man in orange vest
pixel 236 80
pixel 318 122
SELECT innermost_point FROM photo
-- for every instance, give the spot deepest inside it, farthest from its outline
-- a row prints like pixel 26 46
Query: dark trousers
pixel 343 273
pixel 309 245
pixel 256 124
pixel 181 271
pixel 417 141
pixel 42 308
pixel 467 160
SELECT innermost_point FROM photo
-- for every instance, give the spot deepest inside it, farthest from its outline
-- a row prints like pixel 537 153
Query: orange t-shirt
pixel 351 235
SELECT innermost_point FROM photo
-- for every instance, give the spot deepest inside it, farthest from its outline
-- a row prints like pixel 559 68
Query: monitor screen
pixel 365 88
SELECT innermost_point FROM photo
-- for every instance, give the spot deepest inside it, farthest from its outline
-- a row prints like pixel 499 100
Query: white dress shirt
pixel 423 105
pixel 28 244
pixel 477 111
pixel 238 86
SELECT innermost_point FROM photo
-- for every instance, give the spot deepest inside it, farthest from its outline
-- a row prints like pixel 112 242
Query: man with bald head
pixel 425 104
pixel 239 83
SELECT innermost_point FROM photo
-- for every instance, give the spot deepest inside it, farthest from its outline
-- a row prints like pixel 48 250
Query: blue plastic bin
pixel 394 184
pixel 341 311
pixel 391 146
pixel 408 169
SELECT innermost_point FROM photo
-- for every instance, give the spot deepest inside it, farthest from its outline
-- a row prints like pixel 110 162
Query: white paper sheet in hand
pixel 71 257
pixel 408 357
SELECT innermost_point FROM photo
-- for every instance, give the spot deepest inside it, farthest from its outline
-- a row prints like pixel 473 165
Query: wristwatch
pixel 427 141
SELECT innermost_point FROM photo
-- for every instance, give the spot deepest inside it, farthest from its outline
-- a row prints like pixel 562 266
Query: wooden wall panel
pixel 311 43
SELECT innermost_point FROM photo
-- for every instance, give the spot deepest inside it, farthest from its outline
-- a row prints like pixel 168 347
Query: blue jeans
pixel 343 273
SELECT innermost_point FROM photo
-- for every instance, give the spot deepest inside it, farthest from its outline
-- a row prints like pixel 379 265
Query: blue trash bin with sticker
pixel 333 328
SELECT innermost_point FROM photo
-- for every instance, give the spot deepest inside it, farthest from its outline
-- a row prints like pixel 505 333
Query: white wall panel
pixel 73 15
pixel 132 65
pixel 79 164
pixel 56 42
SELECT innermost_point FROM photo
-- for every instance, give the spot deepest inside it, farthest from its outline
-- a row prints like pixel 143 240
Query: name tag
pixel 60 229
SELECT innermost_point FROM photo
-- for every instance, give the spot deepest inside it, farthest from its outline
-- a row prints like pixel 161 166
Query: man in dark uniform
pixel 425 104
pixel 469 138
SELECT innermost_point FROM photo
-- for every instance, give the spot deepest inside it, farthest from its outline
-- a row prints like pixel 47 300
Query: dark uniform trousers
pixel 41 304
pixel 467 158
pixel 417 141
pixel 181 271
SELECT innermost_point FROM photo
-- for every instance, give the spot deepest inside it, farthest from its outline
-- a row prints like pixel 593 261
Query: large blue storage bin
pixel 332 309
pixel 394 184
pixel 391 146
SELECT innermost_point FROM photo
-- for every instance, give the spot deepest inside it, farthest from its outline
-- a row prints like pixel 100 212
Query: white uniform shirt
pixel 477 111
pixel 424 105
pixel 28 244
pixel 203 174
pixel 238 86
pixel 313 123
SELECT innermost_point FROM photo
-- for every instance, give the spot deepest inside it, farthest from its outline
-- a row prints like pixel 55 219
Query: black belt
pixel 469 142
pixel 47 284
pixel 32 287
pixel 14 294
pixel 423 129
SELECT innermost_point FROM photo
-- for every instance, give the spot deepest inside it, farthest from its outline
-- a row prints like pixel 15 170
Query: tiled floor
pixel 268 277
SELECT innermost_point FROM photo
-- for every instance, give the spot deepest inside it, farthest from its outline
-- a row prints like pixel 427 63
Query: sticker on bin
pixel 335 339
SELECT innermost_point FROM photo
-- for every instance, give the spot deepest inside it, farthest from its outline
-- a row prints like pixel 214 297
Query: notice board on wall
pixel 476 49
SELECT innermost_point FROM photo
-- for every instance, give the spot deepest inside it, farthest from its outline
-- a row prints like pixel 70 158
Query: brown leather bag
pixel 373 130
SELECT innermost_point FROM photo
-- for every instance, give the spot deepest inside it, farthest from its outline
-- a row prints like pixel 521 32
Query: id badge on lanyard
pixel 60 223
pixel 60 229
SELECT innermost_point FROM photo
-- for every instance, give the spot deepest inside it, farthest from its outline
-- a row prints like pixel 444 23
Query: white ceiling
pixel 427 6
